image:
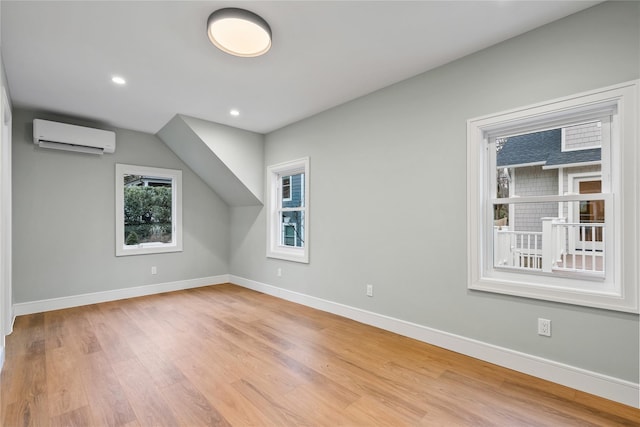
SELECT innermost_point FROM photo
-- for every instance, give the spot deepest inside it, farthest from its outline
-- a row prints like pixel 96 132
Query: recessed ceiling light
pixel 239 32
pixel 234 112
pixel 118 80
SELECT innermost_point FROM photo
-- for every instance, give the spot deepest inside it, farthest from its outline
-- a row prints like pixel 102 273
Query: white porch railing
pixel 518 249
pixel 580 247
pixel 561 246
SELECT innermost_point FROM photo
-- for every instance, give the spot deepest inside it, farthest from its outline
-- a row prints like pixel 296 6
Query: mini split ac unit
pixel 62 136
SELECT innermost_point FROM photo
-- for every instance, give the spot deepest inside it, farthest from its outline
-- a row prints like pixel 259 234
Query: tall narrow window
pixel 288 205
pixel 552 200
pixel 148 210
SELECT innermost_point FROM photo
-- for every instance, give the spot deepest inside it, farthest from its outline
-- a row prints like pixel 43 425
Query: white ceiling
pixel 60 56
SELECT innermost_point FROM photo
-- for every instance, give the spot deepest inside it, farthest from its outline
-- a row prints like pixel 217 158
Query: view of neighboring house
pixel 292 218
pixel 551 162
pixel 146 181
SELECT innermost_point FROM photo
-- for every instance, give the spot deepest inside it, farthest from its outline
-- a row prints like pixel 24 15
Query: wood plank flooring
pixel 224 355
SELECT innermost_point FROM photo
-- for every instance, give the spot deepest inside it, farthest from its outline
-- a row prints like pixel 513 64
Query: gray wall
pixel 388 193
pixel 64 225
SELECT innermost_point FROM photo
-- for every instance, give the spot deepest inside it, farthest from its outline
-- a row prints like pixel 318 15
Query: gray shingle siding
pixel 296 192
pixel 585 135
pixel 534 181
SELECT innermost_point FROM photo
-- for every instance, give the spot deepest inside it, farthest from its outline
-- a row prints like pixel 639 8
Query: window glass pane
pixel 296 192
pixel 550 237
pixel 289 235
pixel 147 209
pixel 535 164
pixel 292 228
pixel 583 136
pixel 286 188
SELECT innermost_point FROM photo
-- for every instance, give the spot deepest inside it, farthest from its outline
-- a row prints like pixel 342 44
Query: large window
pixel 552 195
pixel 148 210
pixel 288 208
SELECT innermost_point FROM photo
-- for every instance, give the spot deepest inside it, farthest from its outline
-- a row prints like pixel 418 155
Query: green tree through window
pixel 147 210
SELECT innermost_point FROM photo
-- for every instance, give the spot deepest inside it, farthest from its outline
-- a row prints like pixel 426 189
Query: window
pixel 549 195
pixel 286 188
pixel 148 210
pixel 288 211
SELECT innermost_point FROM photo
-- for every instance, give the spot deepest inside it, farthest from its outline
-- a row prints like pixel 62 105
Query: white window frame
pixel 275 249
pixel 175 245
pixel 618 289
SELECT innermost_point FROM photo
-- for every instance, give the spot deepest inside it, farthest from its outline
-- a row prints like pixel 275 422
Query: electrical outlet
pixel 279 272
pixel 154 270
pixel 544 327
pixel 369 290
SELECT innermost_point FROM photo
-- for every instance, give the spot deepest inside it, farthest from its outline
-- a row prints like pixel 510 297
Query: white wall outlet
pixel 279 272
pixel 369 290
pixel 154 270
pixel 544 327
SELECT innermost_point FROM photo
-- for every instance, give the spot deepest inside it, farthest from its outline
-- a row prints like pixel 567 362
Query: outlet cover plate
pixel 544 327
pixel 369 290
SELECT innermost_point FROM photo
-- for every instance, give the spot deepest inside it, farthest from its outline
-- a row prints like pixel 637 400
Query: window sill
pixel 148 248
pixel 294 255
pixel 595 297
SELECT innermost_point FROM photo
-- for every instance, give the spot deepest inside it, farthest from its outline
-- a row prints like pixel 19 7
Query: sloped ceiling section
pixel 229 160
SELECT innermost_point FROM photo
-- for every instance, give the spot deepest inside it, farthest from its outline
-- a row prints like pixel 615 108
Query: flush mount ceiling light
pixel 239 32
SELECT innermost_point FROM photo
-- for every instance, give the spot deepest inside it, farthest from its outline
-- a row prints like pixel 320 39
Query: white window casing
pixel 175 177
pixel 617 287
pixel 275 209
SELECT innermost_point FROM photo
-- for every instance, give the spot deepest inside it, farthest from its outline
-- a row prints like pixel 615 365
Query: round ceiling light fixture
pixel 239 32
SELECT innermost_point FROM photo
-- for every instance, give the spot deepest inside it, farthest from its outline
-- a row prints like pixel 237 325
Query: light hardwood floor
pixel 225 355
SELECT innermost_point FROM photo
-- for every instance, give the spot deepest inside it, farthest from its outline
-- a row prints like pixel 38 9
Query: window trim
pixel 274 199
pixel 620 289
pixel 176 209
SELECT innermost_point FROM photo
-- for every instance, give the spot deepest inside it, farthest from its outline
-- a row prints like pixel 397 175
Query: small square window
pixel 148 210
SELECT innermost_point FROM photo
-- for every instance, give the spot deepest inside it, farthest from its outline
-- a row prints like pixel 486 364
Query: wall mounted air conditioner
pixel 62 136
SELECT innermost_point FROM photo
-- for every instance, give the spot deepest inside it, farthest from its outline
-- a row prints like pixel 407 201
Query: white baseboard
pixel 577 378
pixel 116 294
pixel 1 358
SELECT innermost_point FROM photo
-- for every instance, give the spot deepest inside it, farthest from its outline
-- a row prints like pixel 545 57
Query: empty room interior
pixel 196 221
